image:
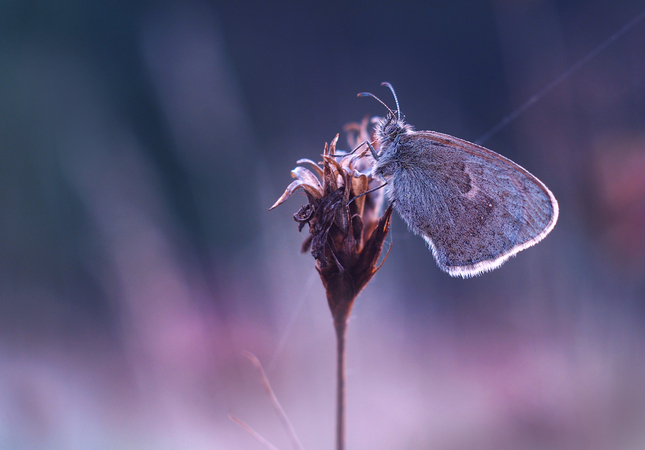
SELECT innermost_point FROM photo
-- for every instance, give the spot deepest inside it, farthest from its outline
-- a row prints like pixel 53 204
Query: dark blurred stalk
pixel 341 334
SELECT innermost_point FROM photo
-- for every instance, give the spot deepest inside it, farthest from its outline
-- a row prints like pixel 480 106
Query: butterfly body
pixel 474 207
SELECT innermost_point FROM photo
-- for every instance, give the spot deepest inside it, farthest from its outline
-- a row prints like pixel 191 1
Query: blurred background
pixel 142 142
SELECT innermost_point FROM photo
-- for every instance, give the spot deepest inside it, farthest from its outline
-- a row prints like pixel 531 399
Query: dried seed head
pixel 346 234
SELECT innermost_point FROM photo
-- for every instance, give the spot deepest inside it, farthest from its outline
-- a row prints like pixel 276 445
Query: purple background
pixel 141 144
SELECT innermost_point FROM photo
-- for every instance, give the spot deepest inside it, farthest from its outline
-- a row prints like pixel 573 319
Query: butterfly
pixel 473 207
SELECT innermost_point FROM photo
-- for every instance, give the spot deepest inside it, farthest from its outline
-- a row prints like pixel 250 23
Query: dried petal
pixel 357 132
pixel 359 186
pixel 366 265
pixel 331 149
pixel 314 192
pixel 332 161
pixel 314 165
pixel 307 177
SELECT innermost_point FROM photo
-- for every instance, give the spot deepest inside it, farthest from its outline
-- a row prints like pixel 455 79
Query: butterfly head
pixel 390 128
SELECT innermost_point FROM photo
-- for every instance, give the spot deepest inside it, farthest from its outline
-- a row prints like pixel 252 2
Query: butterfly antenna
pixel 369 94
pixel 396 100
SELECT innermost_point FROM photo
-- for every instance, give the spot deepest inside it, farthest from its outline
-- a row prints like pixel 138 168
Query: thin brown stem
pixel 341 333
pixel 286 423
pixel 252 432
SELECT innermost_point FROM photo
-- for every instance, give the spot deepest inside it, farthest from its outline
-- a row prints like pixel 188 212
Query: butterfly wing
pixel 474 207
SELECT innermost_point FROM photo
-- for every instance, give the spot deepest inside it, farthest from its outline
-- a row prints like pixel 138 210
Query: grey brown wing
pixel 474 207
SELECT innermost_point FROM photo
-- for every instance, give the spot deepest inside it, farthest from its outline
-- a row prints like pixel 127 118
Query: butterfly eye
pixel 390 129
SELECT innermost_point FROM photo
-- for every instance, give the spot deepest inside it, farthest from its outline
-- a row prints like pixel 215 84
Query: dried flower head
pixel 346 234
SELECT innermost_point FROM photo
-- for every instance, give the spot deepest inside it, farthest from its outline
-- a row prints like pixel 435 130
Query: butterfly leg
pixel 369 145
pixel 371 190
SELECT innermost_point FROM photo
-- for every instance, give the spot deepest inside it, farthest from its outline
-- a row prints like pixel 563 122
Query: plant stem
pixel 341 332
